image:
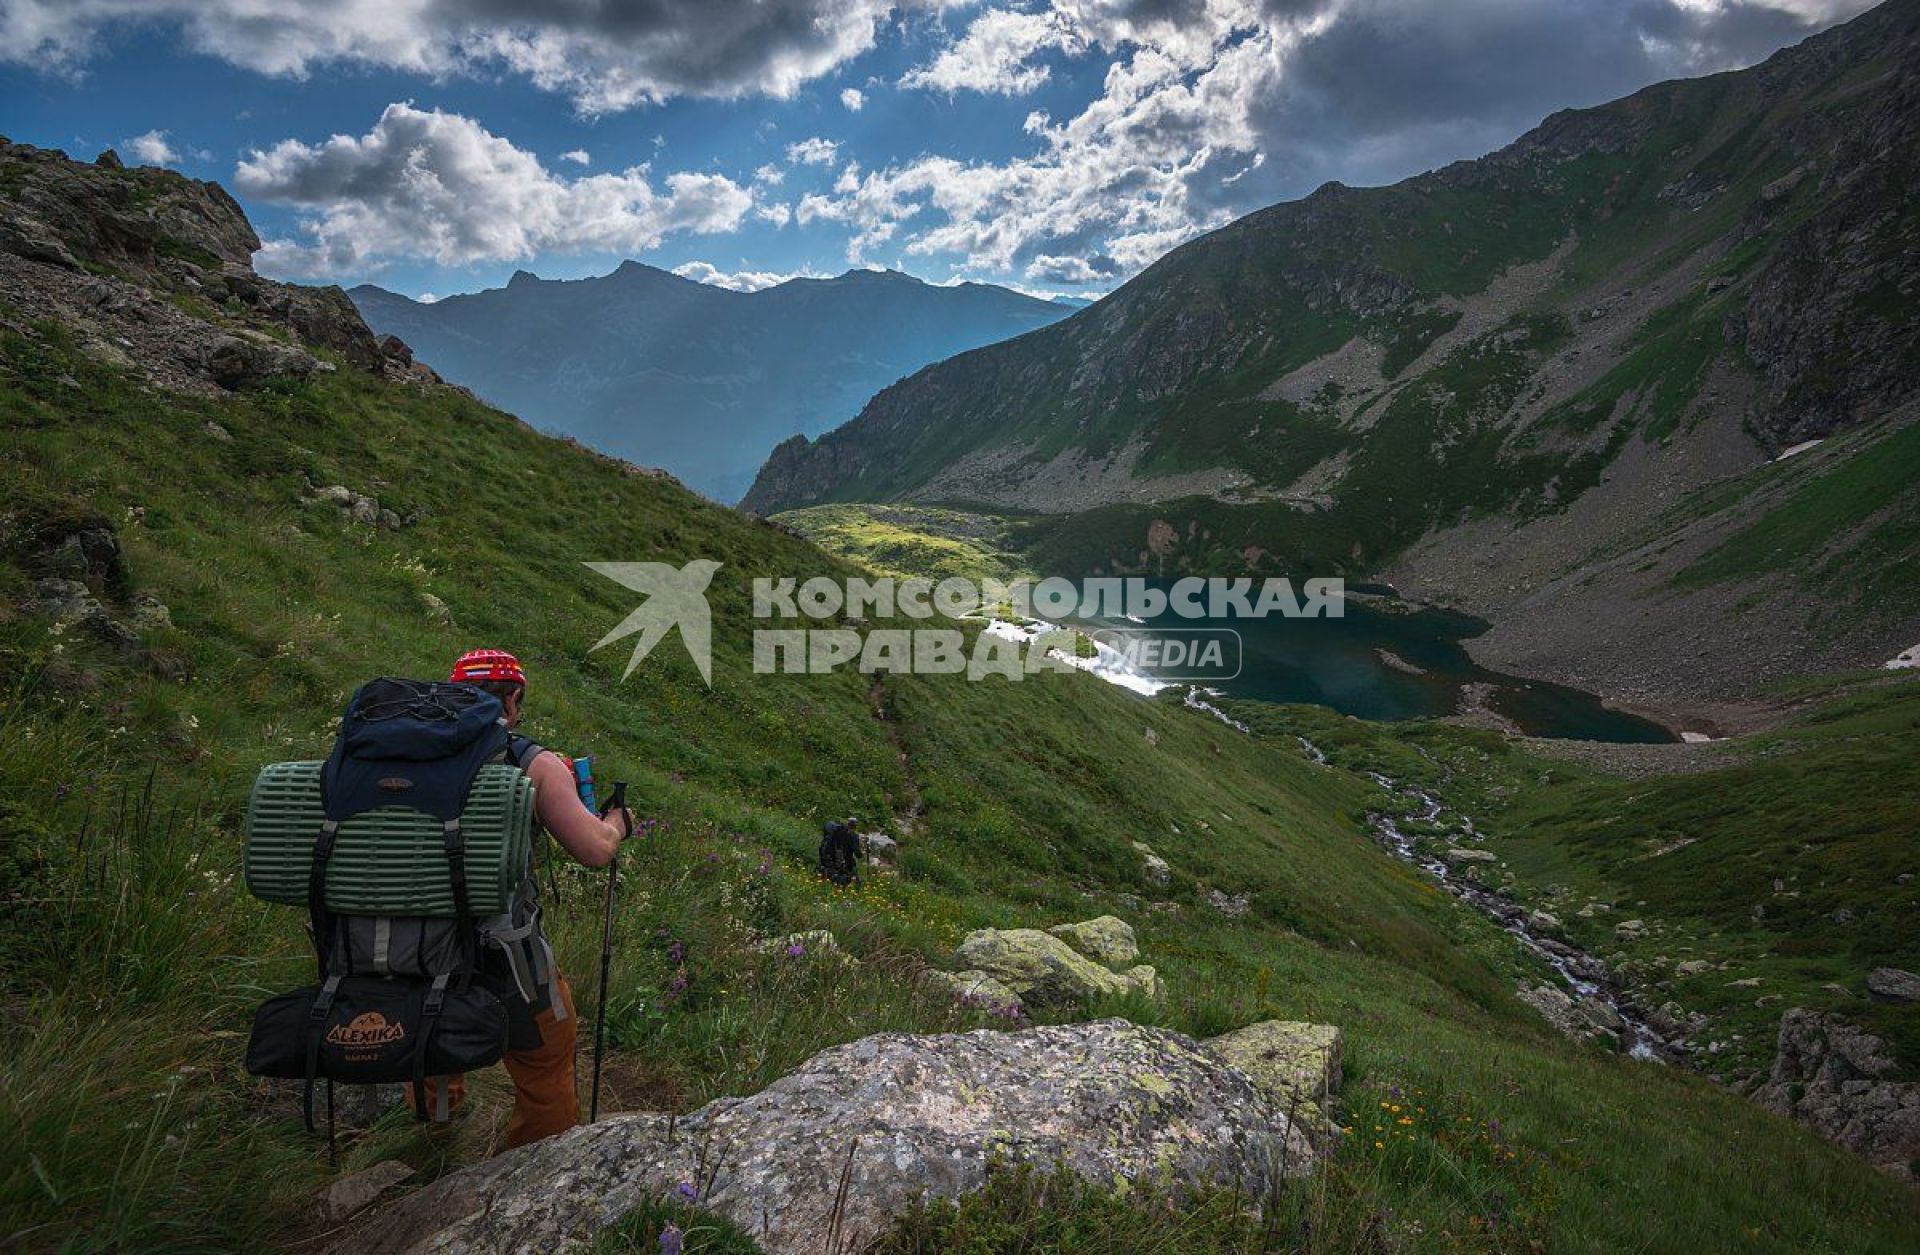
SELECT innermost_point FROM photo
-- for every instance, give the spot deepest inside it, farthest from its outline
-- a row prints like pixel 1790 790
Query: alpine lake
pixel 1384 659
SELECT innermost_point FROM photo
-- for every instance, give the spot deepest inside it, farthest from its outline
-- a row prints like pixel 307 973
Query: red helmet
pixel 479 666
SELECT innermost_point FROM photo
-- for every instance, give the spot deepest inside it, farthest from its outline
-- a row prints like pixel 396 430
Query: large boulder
pixel 1045 971
pixel 1834 1078
pixel 1297 1064
pixel 877 1124
pixel 1107 940
pixel 1893 984
pixel 978 989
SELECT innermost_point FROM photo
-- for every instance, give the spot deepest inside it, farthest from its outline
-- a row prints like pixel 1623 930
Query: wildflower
pixel 1379 1145
pixel 672 1241
pixel 795 950
pixel 686 1191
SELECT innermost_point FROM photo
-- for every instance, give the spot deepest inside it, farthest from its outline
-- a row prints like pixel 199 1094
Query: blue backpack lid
pixel 413 743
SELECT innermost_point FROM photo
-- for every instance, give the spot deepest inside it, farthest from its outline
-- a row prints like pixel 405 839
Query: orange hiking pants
pixel 544 1100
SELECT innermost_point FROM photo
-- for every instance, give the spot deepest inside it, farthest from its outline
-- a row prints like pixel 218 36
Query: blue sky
pixel 435 146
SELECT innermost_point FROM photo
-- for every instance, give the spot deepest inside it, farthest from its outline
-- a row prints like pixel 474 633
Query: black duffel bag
pixel 371 1030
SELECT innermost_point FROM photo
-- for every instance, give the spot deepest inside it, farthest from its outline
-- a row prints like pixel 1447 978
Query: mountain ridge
pixel 1626 313
pixel 697 378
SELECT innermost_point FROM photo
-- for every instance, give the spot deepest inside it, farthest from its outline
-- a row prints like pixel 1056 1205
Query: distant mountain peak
pixel 700 379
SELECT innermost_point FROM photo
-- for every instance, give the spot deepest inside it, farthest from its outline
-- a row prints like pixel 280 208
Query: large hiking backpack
pixel 410 847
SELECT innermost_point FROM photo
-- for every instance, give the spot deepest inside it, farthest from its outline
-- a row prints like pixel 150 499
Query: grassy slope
pixel 1183 356
pixel 133 956
pixel 1827 806
pixel 908 541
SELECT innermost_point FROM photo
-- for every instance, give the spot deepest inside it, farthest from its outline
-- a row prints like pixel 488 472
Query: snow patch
pixel 1802 447
pixel 1904 660
pixel 1107 663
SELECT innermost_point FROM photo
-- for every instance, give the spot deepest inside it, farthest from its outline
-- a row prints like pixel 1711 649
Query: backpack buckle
pixel 323 1002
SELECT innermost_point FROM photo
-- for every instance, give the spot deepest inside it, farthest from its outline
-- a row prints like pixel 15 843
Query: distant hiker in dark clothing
pixel 840 851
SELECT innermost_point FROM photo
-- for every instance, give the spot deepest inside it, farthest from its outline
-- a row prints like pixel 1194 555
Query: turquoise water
pixel 1343 663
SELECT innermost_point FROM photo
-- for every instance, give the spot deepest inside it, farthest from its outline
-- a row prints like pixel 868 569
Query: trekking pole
pixel 618 802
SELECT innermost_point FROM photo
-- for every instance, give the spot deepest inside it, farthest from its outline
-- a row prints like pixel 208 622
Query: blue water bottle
pixel 583 781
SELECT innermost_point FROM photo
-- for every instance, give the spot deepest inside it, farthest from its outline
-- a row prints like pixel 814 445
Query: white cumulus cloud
pixel 853 98
pixel 578 156
pixel 436 186
pixel 738 280
pixel 996 54
pixel 814 151
pixel 153 149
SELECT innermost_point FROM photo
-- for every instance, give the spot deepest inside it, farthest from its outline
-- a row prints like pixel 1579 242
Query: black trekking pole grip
pixel 616 802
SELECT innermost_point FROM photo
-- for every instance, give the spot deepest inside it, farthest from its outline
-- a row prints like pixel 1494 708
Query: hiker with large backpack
pixel 840 851
pixel 423 903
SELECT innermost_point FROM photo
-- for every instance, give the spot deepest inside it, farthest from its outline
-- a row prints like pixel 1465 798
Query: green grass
pixel 133 957
pixel 1875 489
pixel 911 542
pixel 1826 807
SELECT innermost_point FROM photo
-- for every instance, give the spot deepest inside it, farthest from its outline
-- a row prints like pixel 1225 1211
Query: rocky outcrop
pixel 154 271
pixel 1107 940
pixel 835 1151
pixel 978 989
pixel 1045 971
pixel 1894 984
pixel 1839 1081
pixel 1296 1063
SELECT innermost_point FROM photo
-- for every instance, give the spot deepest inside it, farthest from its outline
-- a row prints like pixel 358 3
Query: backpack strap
pixel 454 844
pixel 521 751
pixel 429 1020
pixel 318 919
pixel 316 1027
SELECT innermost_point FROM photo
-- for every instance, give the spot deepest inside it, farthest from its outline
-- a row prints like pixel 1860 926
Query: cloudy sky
pixel 436 146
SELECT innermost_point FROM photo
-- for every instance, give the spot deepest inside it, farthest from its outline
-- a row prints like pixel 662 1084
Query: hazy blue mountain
pixel 698 379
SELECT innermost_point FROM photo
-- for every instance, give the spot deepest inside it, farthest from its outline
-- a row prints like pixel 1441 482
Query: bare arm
pixel 583 834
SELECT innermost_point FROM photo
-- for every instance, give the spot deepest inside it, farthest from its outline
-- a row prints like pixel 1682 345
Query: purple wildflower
pixel 677 951
pixel 795 950
pixel 672 1241
pixel 686 1191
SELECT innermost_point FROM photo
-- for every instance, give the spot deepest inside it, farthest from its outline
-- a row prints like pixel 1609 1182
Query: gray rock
pixel 1630 930
pixel 1043 970
pixel 979 989
pixel 1692 967
pixel 1231 905
pixel 1298 1064
pixel 352 1194
pixel 1893 984
pixel 1155 868
pixel 437 610
pixel 1107 940
pixel 1458 854
pixel 880 846
pixel 899 1117
pixel 149 613
pixel 241 362
pixel 1834 1078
